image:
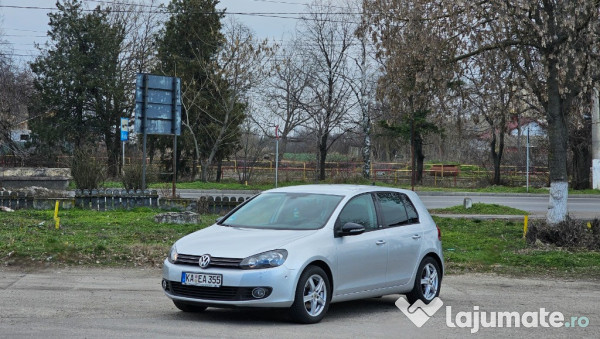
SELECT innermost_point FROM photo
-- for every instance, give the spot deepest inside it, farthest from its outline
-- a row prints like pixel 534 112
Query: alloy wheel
pixel 315 295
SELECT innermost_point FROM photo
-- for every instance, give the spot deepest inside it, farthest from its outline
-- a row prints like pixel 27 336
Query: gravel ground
pixel 117 303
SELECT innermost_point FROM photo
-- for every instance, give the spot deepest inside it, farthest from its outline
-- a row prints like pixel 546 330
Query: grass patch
pixel 488 189
pixel 480 208
pixel 132 238
pixel 117 238
pixel 498 246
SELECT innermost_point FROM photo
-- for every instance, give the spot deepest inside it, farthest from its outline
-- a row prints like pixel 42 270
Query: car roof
pixel 335 189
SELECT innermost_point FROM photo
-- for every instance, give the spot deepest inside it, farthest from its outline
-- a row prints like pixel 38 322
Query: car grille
pixel 192 260
pixel 224 293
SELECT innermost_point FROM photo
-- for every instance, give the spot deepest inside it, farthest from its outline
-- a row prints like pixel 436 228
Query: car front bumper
pixel 236 282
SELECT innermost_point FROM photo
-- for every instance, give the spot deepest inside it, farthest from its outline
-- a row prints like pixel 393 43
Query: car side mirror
pixel 351 228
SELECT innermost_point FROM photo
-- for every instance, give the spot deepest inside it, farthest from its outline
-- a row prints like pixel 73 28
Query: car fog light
pixel 259 292
pixel 164 284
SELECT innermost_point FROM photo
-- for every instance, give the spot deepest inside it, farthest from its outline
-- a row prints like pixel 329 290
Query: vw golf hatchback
pixel 304 247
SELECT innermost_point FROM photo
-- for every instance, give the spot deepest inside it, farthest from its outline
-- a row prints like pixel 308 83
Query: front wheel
pixel 427 282
pixel 312 296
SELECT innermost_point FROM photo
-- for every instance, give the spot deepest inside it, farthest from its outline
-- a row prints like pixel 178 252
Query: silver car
pixel 305 247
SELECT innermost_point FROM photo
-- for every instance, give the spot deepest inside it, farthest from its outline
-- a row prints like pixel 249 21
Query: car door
pixel 401 222
pixel 362 258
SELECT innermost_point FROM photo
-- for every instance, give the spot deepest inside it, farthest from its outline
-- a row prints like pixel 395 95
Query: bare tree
pixel 364 88
pixel 241 63
pixel 329 37
pixel 493 90
pixel 140 21
pixel 252 147
pixel 282 94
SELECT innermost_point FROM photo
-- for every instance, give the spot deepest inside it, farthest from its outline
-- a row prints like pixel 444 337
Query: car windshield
pixel 298 211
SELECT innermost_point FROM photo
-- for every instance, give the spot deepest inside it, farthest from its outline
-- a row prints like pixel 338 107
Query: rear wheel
pixel 312 296
pixel 189 307
pixel 427 282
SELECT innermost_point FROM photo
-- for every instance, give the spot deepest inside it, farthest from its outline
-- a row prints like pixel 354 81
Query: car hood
pixel 235 242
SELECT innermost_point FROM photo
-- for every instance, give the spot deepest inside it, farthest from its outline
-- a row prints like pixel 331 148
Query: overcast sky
pixel 24 22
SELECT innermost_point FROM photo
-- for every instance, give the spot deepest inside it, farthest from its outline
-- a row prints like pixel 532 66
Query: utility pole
pixel 412 151
pixel 595 140
pixel 276 155
pixel 527 159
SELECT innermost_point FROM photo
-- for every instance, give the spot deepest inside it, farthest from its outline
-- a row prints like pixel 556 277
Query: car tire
pixel 313 294
pixel 428 281
pixel 189 307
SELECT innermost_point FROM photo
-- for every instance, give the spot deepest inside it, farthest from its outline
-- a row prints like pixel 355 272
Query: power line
pixel 24 30
pixel 23 35
pixel 198 12
pixel 282 2
pixel 124 3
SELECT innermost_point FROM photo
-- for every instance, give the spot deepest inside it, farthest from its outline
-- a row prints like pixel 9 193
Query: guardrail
pixel 107 200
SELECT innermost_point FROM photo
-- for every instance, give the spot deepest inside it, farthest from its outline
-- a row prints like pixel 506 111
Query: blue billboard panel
pixel 157 105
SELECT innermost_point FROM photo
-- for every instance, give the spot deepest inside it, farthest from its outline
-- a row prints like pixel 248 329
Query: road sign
pixel 124 129
pixel 158 111
pixel 157 105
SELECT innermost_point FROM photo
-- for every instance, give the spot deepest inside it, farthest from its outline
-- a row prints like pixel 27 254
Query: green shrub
pixel 88 171
pixel 132 176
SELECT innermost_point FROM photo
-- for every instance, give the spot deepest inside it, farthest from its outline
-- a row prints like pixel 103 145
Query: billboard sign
pixel 157 105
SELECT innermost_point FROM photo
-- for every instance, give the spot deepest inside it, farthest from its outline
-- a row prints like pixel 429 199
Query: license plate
pixel 202 279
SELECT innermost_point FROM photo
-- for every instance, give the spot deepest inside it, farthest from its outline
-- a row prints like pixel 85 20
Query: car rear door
pixel 404 235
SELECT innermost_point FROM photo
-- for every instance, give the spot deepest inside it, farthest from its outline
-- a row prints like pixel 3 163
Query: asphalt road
pixel 537 204
pixel 126 303
pixel 587 206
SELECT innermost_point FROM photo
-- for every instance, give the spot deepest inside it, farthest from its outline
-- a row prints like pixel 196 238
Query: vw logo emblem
pixel 204 261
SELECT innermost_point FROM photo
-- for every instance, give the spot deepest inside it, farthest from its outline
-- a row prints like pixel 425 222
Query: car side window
pixel 411 211
pixel 396 209
pixel 360 210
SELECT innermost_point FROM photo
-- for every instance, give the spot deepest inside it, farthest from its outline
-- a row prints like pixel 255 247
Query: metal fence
pixel 436 175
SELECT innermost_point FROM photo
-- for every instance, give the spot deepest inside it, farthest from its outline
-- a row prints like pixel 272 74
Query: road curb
pixel 488 216
pixel 486 194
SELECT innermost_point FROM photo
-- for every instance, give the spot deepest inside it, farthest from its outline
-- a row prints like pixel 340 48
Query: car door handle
pixel 416 236
pixel 380 242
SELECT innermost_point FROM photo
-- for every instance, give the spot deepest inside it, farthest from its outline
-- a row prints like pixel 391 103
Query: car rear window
pixel 396 209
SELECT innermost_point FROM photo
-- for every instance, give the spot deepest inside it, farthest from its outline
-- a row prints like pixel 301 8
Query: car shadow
pixel 347 311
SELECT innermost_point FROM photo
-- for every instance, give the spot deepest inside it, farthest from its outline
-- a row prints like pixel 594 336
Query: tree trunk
pixel 196 153
pixel 497 155
pixel 112 151
pixel 557 137
pixel 582 159
pixel 204 170
pixel 420 157
pixel 322 156
pixel 219 169
pixel 366 153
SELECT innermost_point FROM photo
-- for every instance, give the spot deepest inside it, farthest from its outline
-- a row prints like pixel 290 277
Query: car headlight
pixel 172 255
pixel 265 260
